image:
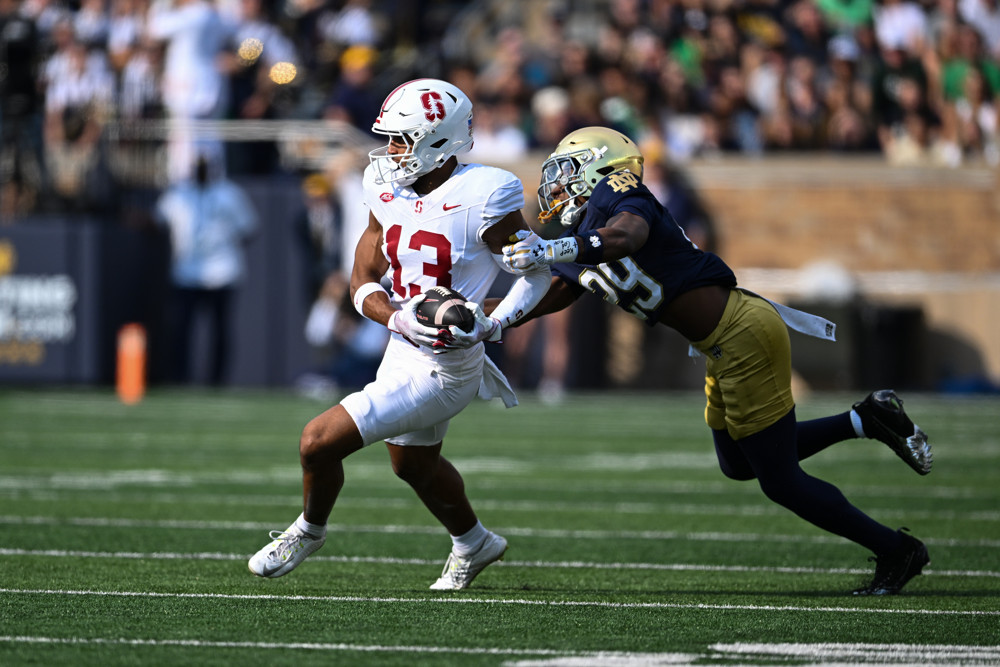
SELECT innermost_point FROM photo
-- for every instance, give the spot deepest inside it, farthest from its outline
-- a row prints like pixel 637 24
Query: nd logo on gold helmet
pixel 581 160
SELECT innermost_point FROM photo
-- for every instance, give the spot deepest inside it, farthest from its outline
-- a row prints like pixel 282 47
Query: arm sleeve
pixel 507 198
pixel 525 293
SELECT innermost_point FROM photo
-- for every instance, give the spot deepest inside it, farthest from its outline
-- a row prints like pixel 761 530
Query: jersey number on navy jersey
pixel 440 249
pixel 623 283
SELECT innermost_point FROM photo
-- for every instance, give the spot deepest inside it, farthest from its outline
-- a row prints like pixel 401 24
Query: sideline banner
pixel 68 285
pixel 48 302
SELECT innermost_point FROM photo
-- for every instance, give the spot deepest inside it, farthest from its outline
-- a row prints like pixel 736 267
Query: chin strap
pixel 567 211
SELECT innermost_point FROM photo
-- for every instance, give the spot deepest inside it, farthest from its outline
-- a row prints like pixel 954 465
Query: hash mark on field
pixel 507 601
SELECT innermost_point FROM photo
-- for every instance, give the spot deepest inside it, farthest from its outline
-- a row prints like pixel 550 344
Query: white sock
pixel 856 423
pixel 470 542
pixel 310 529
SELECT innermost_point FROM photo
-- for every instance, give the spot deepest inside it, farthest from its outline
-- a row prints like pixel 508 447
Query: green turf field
pixel 126 530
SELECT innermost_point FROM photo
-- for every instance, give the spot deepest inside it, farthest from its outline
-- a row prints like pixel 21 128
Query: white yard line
pixel 528 506
pixel 822 653
pixel 544 533
pixel 916 654
pixel 364 648
pixel 364 472
pixel 382 560
pixel 499 601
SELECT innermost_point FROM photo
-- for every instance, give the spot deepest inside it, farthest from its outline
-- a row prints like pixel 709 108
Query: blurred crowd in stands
pixel 107 104
pixel 916 80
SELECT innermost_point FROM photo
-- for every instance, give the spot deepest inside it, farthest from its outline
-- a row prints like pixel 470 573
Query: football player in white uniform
pixel 432 221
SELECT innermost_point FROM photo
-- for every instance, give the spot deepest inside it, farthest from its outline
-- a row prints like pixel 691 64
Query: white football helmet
pixel 580 161
pixel 433 117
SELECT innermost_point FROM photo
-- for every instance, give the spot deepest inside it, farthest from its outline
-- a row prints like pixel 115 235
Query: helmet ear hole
pixel 439 143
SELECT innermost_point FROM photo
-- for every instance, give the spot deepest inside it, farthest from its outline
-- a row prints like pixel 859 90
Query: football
pixel 444 307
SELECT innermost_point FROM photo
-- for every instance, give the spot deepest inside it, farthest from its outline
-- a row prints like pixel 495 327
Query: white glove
pixel 405 322
pixel 485 328
pixel 531 252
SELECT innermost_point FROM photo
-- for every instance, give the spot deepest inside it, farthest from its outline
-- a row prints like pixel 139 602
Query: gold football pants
pixel 748 367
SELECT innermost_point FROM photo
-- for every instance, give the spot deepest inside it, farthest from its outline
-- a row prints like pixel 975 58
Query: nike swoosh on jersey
pixel 448 208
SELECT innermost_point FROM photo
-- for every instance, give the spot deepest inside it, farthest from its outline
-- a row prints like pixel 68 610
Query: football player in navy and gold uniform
pixel 623 245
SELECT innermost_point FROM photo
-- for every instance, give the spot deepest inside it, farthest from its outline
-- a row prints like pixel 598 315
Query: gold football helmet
pixel 580 161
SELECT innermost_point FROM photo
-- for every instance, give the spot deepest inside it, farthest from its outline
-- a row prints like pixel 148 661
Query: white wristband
pixel 363 293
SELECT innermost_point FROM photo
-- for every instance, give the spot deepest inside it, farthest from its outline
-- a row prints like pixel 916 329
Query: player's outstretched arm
pixel 623 235
pixel 530 286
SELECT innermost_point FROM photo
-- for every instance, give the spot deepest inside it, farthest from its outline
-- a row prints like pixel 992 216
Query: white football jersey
pixel 437 239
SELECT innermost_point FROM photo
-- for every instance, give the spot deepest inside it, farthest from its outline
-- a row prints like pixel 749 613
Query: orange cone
pixel 131 381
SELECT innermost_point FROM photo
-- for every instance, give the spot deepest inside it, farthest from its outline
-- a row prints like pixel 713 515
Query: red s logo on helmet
pixel 433 106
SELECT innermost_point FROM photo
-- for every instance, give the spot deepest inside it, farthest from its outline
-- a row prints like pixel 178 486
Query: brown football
pixel 443 307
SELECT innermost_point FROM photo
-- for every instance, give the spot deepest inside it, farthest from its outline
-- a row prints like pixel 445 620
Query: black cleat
pixel 892 571
pixel 883 419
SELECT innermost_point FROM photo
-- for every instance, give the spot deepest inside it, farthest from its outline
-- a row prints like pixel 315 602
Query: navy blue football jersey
pixel 668 265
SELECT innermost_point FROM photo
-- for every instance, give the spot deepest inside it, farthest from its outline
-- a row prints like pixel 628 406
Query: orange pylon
pixel 131 380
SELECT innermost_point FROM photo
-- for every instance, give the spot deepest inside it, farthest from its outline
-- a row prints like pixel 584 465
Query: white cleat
pixel 459 571
pixel 289 548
